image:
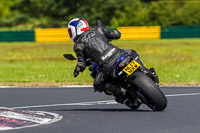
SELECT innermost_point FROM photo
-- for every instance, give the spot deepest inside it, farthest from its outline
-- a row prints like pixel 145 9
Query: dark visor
pixel 70 32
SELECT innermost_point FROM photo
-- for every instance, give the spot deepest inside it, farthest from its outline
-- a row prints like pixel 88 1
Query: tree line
pixel 30 14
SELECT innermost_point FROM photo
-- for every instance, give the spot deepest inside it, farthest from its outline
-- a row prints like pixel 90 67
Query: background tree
pixel 30 14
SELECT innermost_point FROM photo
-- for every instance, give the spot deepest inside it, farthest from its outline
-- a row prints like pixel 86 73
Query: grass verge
pixel 176 61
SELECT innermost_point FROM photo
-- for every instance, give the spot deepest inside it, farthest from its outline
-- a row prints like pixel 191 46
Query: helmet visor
pixel 70 32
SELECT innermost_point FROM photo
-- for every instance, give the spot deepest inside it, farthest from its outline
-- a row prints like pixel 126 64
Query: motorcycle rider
pixel 94 44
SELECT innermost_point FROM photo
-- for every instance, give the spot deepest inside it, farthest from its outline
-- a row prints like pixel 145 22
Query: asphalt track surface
pixel 84 111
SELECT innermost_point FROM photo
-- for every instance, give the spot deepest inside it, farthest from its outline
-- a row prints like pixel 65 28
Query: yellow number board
pixel 131 67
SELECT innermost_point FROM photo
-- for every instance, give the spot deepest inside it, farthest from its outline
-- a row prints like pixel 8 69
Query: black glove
pixel 76 73
pixel 77 70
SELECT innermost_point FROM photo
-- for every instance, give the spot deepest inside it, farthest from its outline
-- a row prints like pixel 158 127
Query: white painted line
pixel 7 86
pixel 75 86
pixel 189 94
pixel 31 87
pixel 95 102
pixel 180 86
pixel 70 104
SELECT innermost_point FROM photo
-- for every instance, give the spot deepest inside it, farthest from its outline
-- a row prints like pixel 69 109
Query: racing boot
pixel 110 89
pixel 120 96
pixel 133 105
pixel 118 93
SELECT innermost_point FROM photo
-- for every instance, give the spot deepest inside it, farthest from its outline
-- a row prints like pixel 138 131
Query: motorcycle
pixel 130 75
pixel 140 84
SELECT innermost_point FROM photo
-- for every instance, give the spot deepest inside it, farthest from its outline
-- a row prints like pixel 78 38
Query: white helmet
pixel 76 27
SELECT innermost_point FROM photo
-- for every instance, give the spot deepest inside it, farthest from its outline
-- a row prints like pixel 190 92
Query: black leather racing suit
pixel 94 44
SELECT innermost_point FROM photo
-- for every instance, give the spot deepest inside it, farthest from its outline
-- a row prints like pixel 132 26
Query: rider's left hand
pixel 76 73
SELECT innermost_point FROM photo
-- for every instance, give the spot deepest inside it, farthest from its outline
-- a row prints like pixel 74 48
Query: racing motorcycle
pixel 132 76
pixel 141 84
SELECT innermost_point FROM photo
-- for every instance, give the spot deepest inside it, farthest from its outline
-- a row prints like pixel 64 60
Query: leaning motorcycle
pixel 141 84
pixel 138 82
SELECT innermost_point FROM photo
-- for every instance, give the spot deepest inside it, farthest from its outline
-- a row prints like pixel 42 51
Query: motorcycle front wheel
pixel 148 91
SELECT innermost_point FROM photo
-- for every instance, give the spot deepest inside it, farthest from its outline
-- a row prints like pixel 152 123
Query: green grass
pixel 37 62
pixel 175 60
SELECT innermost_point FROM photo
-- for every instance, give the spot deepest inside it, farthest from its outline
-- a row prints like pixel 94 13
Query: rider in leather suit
pixel 95 44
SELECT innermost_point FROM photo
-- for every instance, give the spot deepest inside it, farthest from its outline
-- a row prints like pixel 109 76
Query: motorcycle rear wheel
pixel 148 91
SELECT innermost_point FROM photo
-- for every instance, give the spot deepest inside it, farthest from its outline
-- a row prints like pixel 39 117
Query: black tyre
pixel 148 91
